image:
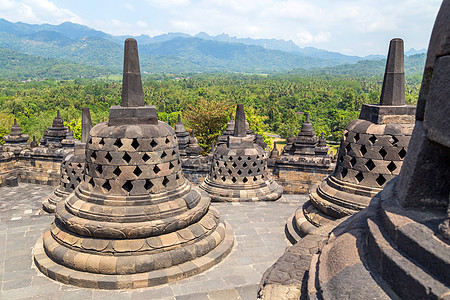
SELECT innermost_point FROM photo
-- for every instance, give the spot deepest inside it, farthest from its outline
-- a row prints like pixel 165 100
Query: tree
pixel 208 119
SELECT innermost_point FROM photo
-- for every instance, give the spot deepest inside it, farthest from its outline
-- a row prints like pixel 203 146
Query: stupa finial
pixel 239 127
pixel 393 90
pixel 132 93
pixel 86 124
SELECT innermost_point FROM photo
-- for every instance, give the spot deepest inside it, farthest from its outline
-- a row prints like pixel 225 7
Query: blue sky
pixel 353 27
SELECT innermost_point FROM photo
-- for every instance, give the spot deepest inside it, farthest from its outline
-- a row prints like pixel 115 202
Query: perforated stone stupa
pixel 55 133
pixel 16 139
pixel 398 247
pixel 72 167
pixel 370 155
pixel 134 221
pixel 239 169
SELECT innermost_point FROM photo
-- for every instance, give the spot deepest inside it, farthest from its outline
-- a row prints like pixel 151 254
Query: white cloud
pixel 36 11
pixel 168 3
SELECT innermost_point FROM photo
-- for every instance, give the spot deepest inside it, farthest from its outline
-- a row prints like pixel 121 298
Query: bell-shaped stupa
pixel 239 168
pixel 72 166
pixel 134 221
pixel 370 155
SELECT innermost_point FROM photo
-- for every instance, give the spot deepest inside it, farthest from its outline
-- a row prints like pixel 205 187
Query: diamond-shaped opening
pixel 217 163
pixel 65 185
pixel 171 166
pixel 177 176
pixel 174 152
pixel 234 165
pixel 356 137
pixel 229 171
pixel 102 142
pixel 117 171
pixel 344 172
pixel 239 158
pixel 78 179
pixel 223 178
pixel 73 171
pixel 363 150
pixel 92 182
pixel 359 177
pixel 249 158
pixel 391 166
pixel 221 157
pixel 370 165
pixel 99 169
pixel 225 164
pixel 215 177
pixel 254 164
pixel 118 143
pixel 79 166
pixel 402 153
pixel 135 144
pixel 137 171
pixel 153 143
pixel 393 140
pixel 353 162
pixel 250 172
pixel 244 164
pixel 165 181
pixel 234 179
pixel 380 180
pixel 257 156
pixel 254 178
pixel 245 180
pixel 156 169
pixel 262 176
pixel 145 157
pixel 373 139
pixel 148 184
pixel 167 140
pixel 230 158
pixel 94 156
pixel 90 141
pixel 220 171
pixel 108 157
pixel 382 152
pixel 348 148
pixel 259 170
pixel 127 186
pixel 106 186
pixel 126 157
pixel 163 154
pixel 239 172
pixel 72 186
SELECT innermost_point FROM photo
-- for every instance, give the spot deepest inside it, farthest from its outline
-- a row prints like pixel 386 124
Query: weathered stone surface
pixel 373 147
pixel 123 219
pixel 239 169
pixel 16 140
pixel 54 135
pixel 397 247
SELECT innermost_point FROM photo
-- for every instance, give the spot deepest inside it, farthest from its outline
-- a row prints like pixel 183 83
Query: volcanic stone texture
pixel 16 139
pixel 54 135
pixel 134 221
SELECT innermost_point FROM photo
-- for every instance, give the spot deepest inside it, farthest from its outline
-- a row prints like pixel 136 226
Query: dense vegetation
pixel 273 101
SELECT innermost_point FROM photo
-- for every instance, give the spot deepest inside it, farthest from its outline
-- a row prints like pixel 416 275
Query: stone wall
pixel 297 179
pixel 37 165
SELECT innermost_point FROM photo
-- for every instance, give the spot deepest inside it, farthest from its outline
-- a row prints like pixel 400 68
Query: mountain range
pixel 167 53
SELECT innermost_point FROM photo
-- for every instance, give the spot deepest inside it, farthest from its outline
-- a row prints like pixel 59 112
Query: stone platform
pixel 259 241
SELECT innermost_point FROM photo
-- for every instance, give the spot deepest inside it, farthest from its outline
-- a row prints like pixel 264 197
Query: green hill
pixel 16 65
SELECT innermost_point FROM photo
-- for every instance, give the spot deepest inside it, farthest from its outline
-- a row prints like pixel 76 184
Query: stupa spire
pixel 393 90
pixel 86 124
pixel 132 93
pixel 239 127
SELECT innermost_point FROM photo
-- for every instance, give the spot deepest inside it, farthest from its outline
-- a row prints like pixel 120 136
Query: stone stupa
pixel 182 136
pixel 370 155
pixel 54 135
pixel 16 139
pixel 134 221
pixel 72 166
pixel 399 246
pixel 239 169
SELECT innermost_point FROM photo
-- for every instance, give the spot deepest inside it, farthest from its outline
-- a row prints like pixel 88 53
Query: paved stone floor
pixel 259 241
